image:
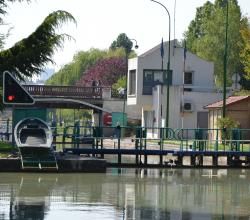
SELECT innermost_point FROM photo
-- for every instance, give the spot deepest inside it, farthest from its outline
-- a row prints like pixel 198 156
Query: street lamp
pixel 168 64
pixel 225 65
pixel 136 45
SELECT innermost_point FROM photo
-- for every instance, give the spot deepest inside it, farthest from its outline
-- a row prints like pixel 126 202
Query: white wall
pixel 203 84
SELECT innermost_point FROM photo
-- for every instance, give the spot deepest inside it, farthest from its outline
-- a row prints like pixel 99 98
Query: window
pixel 188 78
pixel 132 82
pixel 154 77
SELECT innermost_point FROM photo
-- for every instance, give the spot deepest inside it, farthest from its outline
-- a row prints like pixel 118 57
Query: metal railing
pixel 64 91
pixel 154 138
pixel 73 91
pixel 131 137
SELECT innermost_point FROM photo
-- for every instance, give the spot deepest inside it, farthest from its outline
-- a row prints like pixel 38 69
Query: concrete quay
pixel 65 164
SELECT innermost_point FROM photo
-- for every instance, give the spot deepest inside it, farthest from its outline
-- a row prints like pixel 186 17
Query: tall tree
pixel 245 52
pixel 124 42
pixel 197 27
pixel 206 36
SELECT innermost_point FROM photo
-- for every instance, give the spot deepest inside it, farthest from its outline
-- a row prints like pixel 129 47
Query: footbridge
pixel 51 96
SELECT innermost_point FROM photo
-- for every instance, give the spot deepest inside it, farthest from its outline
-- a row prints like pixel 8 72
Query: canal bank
pixel 69 163
pixel 90 164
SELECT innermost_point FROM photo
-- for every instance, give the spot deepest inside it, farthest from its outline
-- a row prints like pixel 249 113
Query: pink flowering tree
pixel 107 71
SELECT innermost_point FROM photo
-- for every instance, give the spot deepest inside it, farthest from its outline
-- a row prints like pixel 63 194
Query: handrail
pixel 68 91
pixel 72 91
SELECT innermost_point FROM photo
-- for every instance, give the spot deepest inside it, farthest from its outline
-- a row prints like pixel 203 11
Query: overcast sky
pixel 99 22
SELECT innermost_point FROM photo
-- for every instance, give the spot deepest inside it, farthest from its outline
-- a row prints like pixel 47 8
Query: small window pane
pixel 148 76
pixel 158 76
pixel 188 78
pixel 132 82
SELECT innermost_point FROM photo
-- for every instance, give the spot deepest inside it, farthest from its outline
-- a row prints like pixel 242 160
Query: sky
pixel 99 22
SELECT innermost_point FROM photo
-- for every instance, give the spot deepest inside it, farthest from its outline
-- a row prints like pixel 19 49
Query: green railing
pixel 80 135
pixel 77 136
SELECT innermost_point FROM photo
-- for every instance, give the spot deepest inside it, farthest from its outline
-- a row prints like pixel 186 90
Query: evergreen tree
pixel 30 55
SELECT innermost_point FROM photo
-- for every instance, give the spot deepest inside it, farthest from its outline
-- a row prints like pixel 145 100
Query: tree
pixel 73 72
pixel 197 27
pixel 124 42
pixel 206 36
pixel 70 73
pixel 107 71
pixel 29 56
pixel 245 52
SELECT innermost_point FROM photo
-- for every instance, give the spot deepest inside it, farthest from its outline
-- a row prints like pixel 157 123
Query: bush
pixel 227 124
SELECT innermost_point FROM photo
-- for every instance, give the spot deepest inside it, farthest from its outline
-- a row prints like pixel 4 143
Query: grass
pixel 5 146
pixel 5 149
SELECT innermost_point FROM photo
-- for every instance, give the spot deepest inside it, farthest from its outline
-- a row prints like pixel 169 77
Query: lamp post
pixel 168 64
pixel 136 45
pixel 225 65
pixel 126 78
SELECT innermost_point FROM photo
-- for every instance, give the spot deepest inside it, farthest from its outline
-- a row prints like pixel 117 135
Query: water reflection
pixel 127 194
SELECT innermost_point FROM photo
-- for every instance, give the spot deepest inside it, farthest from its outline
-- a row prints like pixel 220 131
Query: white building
pixel 147 87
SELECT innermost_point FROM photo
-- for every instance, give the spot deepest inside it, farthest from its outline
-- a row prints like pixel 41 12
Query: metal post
pixel 168 64
pixel 225 66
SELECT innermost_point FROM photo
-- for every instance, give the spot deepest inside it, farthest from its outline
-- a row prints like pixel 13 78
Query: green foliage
pixel 70 73
pixel 245 52
pixel 226 125
pixel 29 56
pixel 5 146
pixel 227 122
pixel 242 92
pixel 68 116
pixel 206 36
pixel 197 27
pixel 121 83
pixel 82 63
pixel 122 41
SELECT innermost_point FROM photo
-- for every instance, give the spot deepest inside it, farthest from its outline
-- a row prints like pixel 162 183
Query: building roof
pixel 229 101
pixel 157 47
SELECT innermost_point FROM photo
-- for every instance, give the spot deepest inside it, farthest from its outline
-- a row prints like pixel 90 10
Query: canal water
pixel 127 194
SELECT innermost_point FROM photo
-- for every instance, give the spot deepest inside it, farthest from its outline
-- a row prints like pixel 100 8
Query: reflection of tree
pixel 165 194
pixel 28 211
pixel 30 200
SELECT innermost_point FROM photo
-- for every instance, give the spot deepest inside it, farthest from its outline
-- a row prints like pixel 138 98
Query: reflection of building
pixel 133 194
pixel 189 91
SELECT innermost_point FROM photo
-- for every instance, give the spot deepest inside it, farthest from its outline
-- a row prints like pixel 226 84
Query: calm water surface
pixel 127 194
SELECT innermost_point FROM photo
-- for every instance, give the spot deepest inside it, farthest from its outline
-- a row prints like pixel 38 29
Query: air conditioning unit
pixel 188 107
